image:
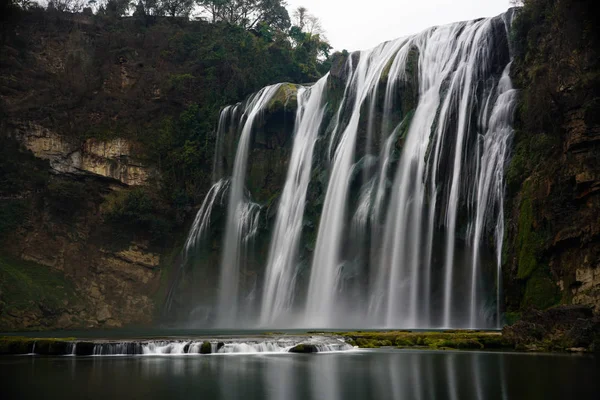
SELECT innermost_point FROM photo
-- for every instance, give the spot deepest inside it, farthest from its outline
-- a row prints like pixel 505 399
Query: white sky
pixel 362 24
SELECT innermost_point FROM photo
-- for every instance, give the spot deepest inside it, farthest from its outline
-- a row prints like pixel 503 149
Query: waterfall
pixel 240 213
pixel 280 272
pixel 326 266
pixel 405 145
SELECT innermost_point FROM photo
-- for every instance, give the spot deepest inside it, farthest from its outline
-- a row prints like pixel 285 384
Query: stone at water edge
pixel 206 348
pixel 304 348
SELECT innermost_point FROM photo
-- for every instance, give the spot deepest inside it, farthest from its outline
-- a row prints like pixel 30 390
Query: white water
pixel 239 213
pixel 326 264
pixel 409 248
pixel 202 220
pixel 278 291
pixel 218 346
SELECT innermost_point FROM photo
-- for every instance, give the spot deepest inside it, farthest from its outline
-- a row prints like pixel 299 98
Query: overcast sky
pixel 362 24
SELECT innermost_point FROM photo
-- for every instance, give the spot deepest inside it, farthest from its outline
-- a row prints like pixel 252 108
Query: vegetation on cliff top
pixel 156 80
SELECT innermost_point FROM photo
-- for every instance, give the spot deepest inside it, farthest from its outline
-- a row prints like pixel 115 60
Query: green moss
pixel 434 340
pixel 206 348
pixel 540 291
pixel 454 343
pixel 25 285
pixel 527 261
pixel 530 241
pixel 16 345
pixel 385 73
pixel 25 345
pixel 286 98
pixel 512 317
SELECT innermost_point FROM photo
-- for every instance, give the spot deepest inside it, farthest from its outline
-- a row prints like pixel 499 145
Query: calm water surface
pixel 373 374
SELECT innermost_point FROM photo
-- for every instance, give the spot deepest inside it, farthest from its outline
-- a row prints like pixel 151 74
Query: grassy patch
pixel 26 285
pixel 433 340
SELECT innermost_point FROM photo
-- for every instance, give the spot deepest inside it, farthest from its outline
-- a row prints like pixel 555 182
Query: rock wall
pixel 118 158
pixel 552 253
pixel 115 281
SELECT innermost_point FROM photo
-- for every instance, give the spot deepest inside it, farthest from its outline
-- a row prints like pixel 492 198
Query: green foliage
pixel 247 13
pixel 180 81
pixel 136 210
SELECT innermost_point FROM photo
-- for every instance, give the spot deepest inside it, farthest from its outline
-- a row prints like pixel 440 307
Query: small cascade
pixel 193 346
pixel 72 349
pixel 202 220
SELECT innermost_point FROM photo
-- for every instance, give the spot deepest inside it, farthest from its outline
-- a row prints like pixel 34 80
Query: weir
pixel 401 151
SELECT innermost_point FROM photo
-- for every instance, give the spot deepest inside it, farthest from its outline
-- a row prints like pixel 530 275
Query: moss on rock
pixel 541 291
pixel 433 340
pixel 285 99
pixel 206 348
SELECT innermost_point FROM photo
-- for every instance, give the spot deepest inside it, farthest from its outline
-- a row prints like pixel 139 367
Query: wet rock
pixel 206 348
pixel 51 347
pixel 304 348
pixel 558 328
pixel 84 348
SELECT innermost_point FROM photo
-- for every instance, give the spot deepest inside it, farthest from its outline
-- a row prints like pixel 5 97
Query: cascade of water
pixel 227 119
pixel 278 288
pixel 238 213
pixel 419 199
pixel 326 262
pixel 490 186
pixel 202 220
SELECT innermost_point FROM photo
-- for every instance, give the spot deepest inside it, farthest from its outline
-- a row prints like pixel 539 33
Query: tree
pixel 308 23
pixel 66 5
pixel 177 8
pixel 308 36
pixel 247 13
pixel 148 8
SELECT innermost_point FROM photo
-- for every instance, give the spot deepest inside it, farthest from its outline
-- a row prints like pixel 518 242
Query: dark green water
pixel 373 374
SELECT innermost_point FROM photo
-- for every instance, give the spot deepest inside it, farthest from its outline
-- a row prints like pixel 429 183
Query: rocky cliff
pixel 106 146
pixel 553 246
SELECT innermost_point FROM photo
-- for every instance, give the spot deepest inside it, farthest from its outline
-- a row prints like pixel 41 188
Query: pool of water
pixel 368 374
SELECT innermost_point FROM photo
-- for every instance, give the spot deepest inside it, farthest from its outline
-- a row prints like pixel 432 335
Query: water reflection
pixel 381 374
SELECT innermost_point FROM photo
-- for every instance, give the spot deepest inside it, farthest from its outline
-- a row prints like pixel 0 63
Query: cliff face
pixel 106 146
pixel 104 150
pixel 73 255
pixel 119 159
pixel 553 213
